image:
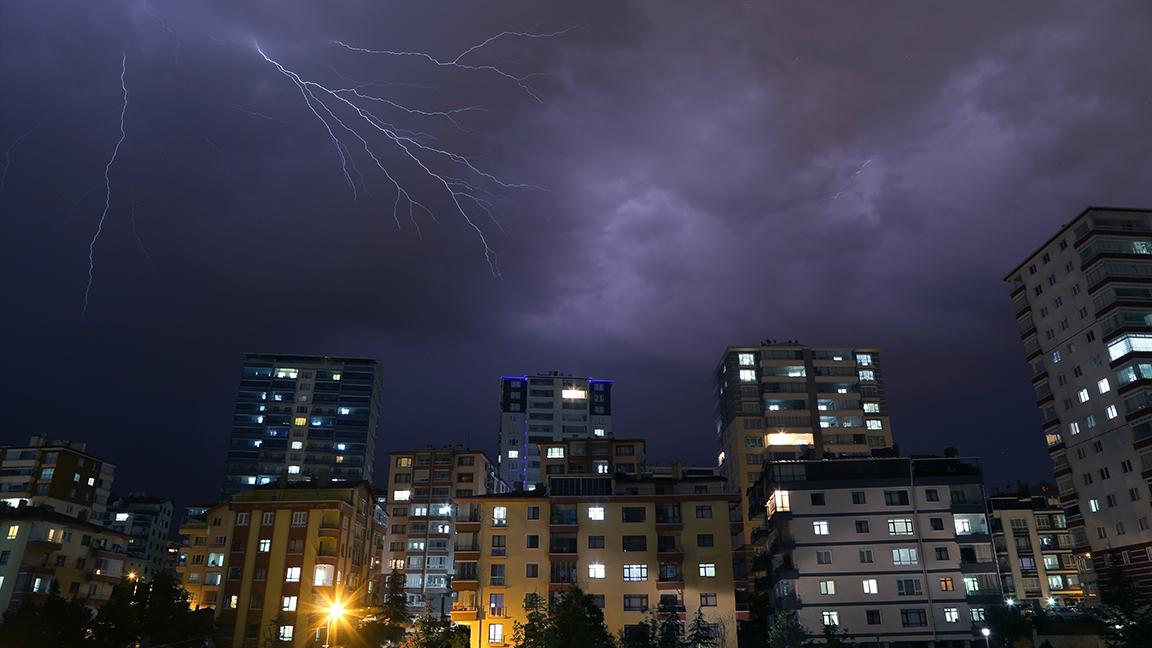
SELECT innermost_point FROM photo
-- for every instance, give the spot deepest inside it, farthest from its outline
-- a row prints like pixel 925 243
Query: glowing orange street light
pixel 335 611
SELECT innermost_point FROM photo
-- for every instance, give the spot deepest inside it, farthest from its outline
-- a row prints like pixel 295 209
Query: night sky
pixel 710 174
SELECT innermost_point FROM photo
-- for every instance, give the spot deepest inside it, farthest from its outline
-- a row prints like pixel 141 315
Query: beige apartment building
pixel 1084 311
pixel 204 535
pixel 1038 565
pixel 895 552
pixel 41 549
pixel 57 474
pixel 423 486
pixel 635 539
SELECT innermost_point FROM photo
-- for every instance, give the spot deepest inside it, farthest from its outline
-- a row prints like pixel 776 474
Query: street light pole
pixel 986 632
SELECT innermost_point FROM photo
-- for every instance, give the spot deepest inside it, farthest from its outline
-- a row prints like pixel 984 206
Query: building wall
pixel 1081 301
pixel 1035 551
pixel 148 521
pixel 59 474
pixel 204 535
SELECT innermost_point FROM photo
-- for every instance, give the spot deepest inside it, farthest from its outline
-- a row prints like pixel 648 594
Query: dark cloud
pixel 714 173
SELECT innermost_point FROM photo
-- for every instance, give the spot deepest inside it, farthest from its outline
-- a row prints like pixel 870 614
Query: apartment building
pixel 893 551
pixel 278 558
pixel 545 408
pixel 636 540
pixel 423 486
pixel 42 549
pixel 1084 311
pixel 147 521
pixel 204 532
pixel 791 401
pixel 1038 565
pixel 58 474
pixel 303 417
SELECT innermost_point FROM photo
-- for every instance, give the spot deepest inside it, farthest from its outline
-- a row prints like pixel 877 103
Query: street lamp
pixel 986 632
pixel 334 613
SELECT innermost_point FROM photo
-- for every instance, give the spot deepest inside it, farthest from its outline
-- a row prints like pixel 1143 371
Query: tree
pixel 152 613
pixel 642 635
pixel 670 633
pixel 785 630
pixel 1124 612
pixel 574 621
pixel 833 637
pixel 58 623
pixel 1007 623
pixel 429 631
pixel 700 632
pixel 391 625
pixel 534 633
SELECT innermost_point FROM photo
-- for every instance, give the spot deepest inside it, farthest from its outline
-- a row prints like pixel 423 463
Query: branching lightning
pixel 8 154
pixel 108 182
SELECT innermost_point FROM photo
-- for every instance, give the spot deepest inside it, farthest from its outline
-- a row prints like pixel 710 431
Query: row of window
pixel 909 618
pixel 904 586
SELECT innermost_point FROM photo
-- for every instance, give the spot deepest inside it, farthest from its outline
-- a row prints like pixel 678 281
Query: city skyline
pixel 860 187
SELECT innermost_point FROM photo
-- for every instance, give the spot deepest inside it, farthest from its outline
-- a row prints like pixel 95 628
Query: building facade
pixel 636 540
pixel 60 475
pixel 278 558
pixel 546 408
pixel 303 417
pixel 147 521
pixel 42 549
pixel 1084 311
pixel 1037 563
pixel 894 551
pixel 423 486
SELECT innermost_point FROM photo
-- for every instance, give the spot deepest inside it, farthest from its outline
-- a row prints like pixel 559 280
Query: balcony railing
pixel 497 580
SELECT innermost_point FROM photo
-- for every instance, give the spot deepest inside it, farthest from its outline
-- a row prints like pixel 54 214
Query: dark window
pixel 635 543
pixel 634 513
pixel 595 542
pixel 531 570
pixel 635 602
pixel 896 498
pixel 873 617
pixel 703 512
pixel 858 497
pixel 533 512
pixel 937 523
pixel 861 526
pixel 705 540
pixel 817 499
pixel 533 542
pixel 941 553
pixel 932 495
pixel 913 618
pixel 597 600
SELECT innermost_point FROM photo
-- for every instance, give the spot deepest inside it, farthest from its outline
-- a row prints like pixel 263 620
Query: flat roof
pixel 1065 227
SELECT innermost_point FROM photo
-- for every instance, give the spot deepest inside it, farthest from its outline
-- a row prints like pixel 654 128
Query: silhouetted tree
pixel 700 633
pixel 533 633
pixel 785 630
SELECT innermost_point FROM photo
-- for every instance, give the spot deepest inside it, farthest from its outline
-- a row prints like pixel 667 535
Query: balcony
pixel 497 613
pixel 498 551
pixel 563 547
pixel 462 613
pixel 497 581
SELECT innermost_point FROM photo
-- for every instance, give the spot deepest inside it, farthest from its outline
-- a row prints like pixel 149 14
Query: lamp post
pixel 986 632
pixel 334 613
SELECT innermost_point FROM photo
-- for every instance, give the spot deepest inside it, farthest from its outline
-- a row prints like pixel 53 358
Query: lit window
pixel 874 424
pixel 746 359
pixel 601 467
pixel 971 585
pixel 830 617
pixel 300 420
pixel 287 372
pixel 257 443
pixel 864 359
pixel 345 410
pixel 513 454
pixel 339 458
pixel 1091 421
pixel 335 376
pixel 91 481
pixel 1103 386
pixel 1094 505
pixel 828 587
pixel 495 633
pixel 951 615
pixel 233 601
pixel 904 557
pixel 293 470
pixel 595 512
pixel 820 527
pixel 297 445
pixel 285 633
pixel 871 586
pixel 555 453
pixel 289 604
pixel 1082 395
pixel 900 527
pixel 292 575
pixel 341 446
pixel 401 495
pixel 867 374
pixel 1111 411
pixel 633 573
pixel 1074 427
pixel 1127 344
pixel 872 408
pixel 747 375
pixel 708 569
pixel 499 516
pixel 122 517
pixel 573 393
pixel 598 432
pixel 259 419
pixel 12 531
pixel 324 576
pixel 265 545
pixel 1055 357
pixel 596 570
pixel 841 390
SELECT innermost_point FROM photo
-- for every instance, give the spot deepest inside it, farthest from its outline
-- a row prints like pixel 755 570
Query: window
pixel 1074 428
pixel 746 359
pixel 827 587
pixel 285 633
pixel 1103 386
pixel 635 602
pixel 532 570
pixel 865 555
pixel 873 617
pixel 499 516
pixel 265 545
pixel 861 526
pixel 703 512
pixel 1111 411
pixel 871 408
pixel 292 575
pixel 900 527
pixel 817 499
pixel 635 543
pixel 1094 505
pixel 555 453
pixel 633 514
pixel 401 495
pixel 867 374
pixel 708 569
pixel 289 604
pixel 299 518
pixel 708 599
pixel 820 527
pixel 747 375
pixel 896 498
pixel 705 540
pixel 936 523
pixel 904 557
pixel 908 587
pixel 874 424
pixel 913 618
pixel 495 633
pixel 596 570
pixel 971 584
pixel 1082 395
pixel 946 584
pixel 595 512
pixel 871 586
pixel 595 542
pixel 324 576
pixel 941 553
pixel 830 617
pixel 858 497
pixel 823 557
pixel 635 573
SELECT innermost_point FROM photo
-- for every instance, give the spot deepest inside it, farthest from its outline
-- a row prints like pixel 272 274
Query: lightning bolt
pixel 345 114
pixel 859 170
pixel 8 154
pixel 107 183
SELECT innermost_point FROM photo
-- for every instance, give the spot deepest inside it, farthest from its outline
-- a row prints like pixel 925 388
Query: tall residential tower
pixel 303 416
pixel 1083 304
pixel 545 408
